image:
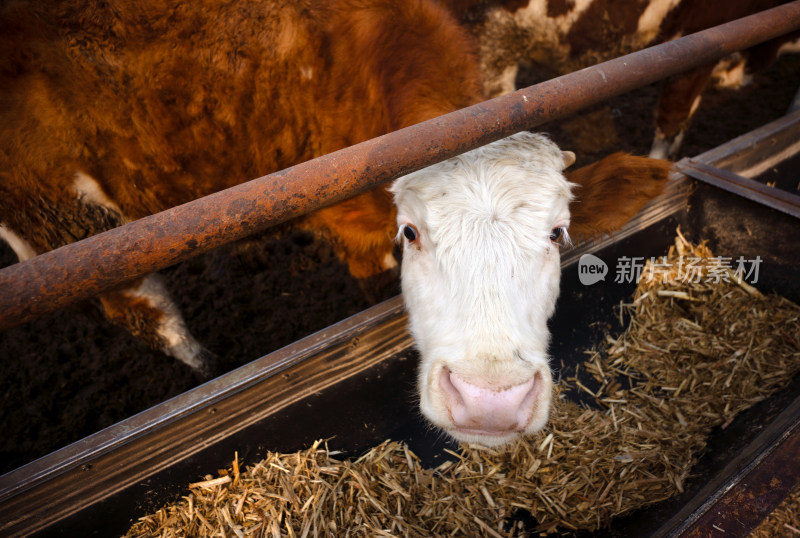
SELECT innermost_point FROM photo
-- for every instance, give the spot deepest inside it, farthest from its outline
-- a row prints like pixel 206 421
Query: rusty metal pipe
pixel 101 262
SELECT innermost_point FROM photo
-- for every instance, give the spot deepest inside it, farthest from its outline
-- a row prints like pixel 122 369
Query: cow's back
pixel 160 103
pixel 157 105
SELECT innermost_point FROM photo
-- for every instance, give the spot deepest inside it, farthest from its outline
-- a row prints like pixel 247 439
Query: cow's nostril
pixel 489 407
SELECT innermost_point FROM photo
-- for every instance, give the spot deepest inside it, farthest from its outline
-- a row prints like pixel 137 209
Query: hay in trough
pixel 783 521
pixel 696 352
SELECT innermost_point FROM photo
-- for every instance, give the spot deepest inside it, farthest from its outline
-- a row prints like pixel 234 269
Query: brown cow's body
pixel 115 110
pixel 160 105
pixel 562 36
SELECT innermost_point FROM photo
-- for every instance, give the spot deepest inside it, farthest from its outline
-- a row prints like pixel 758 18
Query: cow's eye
pixel 410 232
pixel 558 235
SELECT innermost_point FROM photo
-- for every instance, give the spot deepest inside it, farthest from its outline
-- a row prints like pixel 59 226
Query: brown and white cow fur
pixel 118 109
pixel 562 36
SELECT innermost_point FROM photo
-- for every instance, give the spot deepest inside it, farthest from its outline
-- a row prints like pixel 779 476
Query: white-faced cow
pixel 562 36
pixel 113 110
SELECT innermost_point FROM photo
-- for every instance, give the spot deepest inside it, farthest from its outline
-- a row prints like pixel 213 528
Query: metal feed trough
pixel 317 387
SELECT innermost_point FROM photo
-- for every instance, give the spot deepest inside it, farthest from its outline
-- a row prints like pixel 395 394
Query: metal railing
pixel 101 262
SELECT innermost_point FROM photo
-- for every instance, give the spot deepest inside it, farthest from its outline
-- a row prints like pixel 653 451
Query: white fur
pixel 731 72
pixel 389 262
pixel 482 279
pixel 177 340
pixel 790 47
pixel 21 248
pixel 651 18
pixel 89 190
pixel 663 147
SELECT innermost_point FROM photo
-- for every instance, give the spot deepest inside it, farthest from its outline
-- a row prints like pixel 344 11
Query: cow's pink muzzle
pixel 488 409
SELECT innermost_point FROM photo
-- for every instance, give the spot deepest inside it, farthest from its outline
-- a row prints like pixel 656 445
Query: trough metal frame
pixel 67 481
pixel 748 489
pixel 733 166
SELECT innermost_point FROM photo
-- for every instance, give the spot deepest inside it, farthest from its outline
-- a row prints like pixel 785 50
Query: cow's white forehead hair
pixel 512 188
pixel 484 277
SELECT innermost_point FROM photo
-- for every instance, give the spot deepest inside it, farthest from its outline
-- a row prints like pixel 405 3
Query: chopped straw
pixel 783 521
pixel 693 356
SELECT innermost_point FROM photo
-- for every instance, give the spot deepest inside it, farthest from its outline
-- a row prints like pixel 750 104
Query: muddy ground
pixel 71 373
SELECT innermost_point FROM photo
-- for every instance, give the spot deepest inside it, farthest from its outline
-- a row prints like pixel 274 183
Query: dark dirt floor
pixel 71 373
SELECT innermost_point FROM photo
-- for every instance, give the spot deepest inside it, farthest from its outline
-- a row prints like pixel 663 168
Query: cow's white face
pixel 480 278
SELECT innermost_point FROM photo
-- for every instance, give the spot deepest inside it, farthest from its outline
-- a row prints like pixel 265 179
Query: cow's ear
pixel 611 191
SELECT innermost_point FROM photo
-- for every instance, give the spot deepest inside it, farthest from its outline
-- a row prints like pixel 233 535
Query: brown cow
pixel 115 110
pixel 565 35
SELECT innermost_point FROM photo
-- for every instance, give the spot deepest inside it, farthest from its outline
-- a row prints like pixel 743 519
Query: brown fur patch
pixel 136 314
pixel 603 25
pixel 165 103
pixel 592 132
pixel 51 219
pixel 677 96
pixel 611 191
pixel 557 8
pixel 473 11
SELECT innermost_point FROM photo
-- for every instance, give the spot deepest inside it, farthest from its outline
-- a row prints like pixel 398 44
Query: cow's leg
pixel 680 97
pixel 762 57
pixel 145 308
pixel 82 209
pixel 362 230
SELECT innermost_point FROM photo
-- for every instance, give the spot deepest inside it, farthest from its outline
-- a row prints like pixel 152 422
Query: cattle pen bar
pixel 99 263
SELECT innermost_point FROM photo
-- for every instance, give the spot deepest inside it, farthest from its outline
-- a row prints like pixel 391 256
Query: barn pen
pixel 358 372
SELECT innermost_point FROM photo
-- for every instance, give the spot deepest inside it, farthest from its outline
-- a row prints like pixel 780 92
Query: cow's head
pixel 481 235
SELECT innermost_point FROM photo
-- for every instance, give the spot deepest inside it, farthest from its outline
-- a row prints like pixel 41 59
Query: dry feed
pixel 698 350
